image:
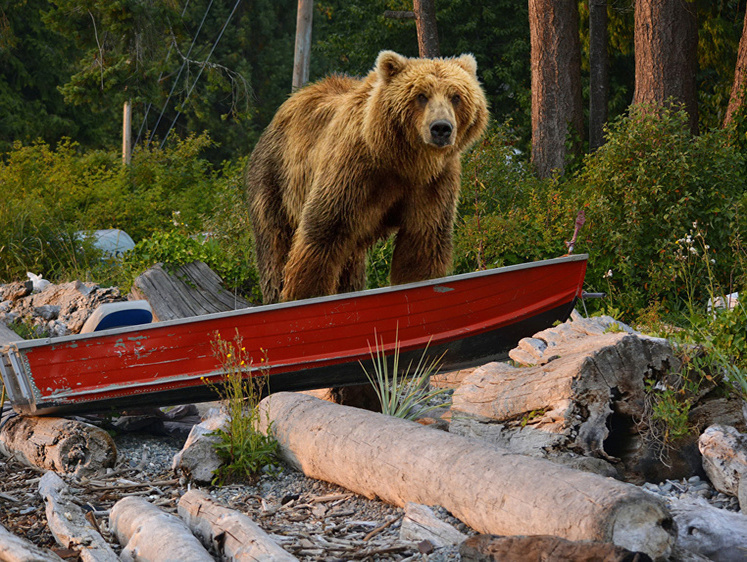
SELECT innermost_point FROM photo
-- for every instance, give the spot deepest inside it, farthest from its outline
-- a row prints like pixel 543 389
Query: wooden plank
pixel 7 335
pixel 191 290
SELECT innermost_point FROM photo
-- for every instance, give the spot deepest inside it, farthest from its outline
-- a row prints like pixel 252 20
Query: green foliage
pixel 172 194
pixel 246 451
pixel 403 394
pixel 644 190
pixel 506 215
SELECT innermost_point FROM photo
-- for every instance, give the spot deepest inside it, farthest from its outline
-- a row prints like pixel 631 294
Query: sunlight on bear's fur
pixel 348 161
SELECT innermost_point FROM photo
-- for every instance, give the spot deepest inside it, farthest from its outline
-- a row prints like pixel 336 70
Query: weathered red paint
pixel 296 336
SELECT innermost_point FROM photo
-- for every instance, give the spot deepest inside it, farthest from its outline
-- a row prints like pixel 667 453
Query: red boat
pixel 473 318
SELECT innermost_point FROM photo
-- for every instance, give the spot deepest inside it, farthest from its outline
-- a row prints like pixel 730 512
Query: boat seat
pixel 118 315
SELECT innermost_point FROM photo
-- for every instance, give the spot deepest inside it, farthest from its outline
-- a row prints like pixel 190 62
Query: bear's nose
pixel 441 132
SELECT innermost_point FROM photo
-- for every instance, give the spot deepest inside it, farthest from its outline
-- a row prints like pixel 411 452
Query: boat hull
pixel 472 318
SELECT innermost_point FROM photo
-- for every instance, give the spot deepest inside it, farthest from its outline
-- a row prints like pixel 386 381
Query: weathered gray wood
pixel 190 290
pixel 724 451
pixel 492 490
pixel 717 534
pixel 69 525
pixel 232 534
pixel 7 335
pixel 149 534
pixel 65 446
pixel 420 523
pixel 16 549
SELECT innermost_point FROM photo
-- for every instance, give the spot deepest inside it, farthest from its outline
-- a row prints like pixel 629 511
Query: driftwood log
pixel 581 390
pixel 65 446
pixel 69 525
pixel 717 534
pixel 487 548
pixel 492 490
pixel 149 534
pixel 232 534
pixel 15 549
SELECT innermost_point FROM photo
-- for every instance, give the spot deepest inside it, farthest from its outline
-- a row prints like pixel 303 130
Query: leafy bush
pixel 645 189
pixel 506 215
pixel 51 194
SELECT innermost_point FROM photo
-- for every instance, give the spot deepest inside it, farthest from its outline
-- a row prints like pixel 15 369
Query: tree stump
pixel 58 444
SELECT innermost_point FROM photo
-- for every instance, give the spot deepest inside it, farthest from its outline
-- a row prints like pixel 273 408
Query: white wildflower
pixel 607 275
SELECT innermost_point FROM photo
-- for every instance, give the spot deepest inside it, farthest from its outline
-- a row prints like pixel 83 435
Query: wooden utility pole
pixel 598 72
pixel 425 21
pixel 127 134
pixel 302 57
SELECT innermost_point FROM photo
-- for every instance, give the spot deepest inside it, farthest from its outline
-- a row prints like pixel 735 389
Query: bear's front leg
pixel 323 244
pixel 423 245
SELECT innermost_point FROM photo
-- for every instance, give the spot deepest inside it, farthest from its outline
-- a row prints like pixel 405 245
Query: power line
pixel 168 54
pixel 204 64
pixel 176 80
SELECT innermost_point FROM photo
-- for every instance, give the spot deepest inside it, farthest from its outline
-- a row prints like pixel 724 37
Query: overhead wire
pixel 168 55
pixel 176 80
pixel 202 67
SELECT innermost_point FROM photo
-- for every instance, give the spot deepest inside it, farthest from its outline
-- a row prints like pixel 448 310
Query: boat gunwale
pixel 21 345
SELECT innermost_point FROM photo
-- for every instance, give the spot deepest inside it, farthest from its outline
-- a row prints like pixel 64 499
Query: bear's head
pixel 437 104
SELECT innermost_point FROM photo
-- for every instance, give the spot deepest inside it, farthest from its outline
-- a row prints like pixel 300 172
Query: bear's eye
pixel 422 99
pixel 456 99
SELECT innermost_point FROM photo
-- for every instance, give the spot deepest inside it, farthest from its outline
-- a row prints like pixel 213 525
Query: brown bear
pixel 348 161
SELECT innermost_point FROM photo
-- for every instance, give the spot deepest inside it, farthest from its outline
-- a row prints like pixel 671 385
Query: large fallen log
pixel 65 446
pixel 16 549
pixel 149 534
pixel 490 489
pixel 231 533
pixel 69 525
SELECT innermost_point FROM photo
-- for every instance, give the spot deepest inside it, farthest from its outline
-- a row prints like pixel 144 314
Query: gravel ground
pixel 313 520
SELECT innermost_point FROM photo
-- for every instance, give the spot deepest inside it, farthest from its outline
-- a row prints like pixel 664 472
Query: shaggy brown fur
pixel 346 162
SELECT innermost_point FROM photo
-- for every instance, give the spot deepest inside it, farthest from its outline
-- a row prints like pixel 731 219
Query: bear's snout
pixel 441 132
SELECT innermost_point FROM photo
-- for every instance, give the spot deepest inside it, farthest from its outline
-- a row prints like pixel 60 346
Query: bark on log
pixel 583 391
pixel 15 549
pixel 492 490
pixel 149 534
pixel 487 548
pixel 65 446
pixel 69 525
pixel 232 534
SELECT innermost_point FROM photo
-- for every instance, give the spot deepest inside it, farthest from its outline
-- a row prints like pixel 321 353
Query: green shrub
pixel 647 188
pixel 50 194
pixel 245 451
pixel 506 215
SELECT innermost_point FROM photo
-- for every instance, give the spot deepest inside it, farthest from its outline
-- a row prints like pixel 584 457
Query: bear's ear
pixel 389 64
pixel 468 63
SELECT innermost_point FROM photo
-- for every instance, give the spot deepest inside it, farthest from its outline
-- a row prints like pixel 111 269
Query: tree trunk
pixel 740 77
pixel 231 533
pixel 149 534
pixel 65 446
pixel 557 105
pixel 425 21
pixel 490 489
pixel 666 42
pixel 598 70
